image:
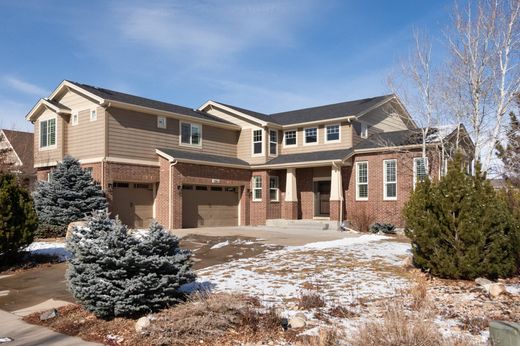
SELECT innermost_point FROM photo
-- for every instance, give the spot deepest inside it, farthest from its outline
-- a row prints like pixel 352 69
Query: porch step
pixel 303 224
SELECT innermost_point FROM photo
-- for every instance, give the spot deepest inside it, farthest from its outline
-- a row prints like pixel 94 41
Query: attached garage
pixel 209 206
pixel 133 202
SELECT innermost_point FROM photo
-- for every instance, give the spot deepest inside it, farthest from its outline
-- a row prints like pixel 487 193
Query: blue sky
pixel 268 56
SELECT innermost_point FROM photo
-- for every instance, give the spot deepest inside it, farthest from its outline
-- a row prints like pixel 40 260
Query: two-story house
pixel 221 165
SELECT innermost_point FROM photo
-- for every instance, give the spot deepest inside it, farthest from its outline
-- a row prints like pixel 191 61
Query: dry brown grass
pixel 397 328
pixel 326 337
pixel 310 300
pixel 342 312
pixel 419 293
pixel 212 317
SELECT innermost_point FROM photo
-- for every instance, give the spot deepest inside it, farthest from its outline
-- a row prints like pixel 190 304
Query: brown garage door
pixel 133 202
pixel 209 206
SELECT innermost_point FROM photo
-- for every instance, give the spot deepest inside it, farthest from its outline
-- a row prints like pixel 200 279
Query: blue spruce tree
pixel 70 195
pixel 112 273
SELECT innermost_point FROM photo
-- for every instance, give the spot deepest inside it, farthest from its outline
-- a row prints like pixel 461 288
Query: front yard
pixel 336 285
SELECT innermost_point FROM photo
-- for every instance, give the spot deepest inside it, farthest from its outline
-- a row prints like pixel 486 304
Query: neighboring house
pixel 221 165
pixel 16 151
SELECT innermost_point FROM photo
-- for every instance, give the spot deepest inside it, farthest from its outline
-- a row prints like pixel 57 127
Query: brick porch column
pixel 290 209
pixel 336 195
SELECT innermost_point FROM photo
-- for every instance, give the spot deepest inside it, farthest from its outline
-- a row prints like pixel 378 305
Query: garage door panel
pixel 209 208
pixel 133 203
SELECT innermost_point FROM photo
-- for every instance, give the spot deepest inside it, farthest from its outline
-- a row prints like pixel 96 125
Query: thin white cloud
pixel 24 87
pixel 12 115
pixel 212 30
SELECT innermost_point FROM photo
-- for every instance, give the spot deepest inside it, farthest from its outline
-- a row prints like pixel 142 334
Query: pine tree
pixel 509 153
pixel 460 228
pixel 18 220
pixel 115 274
pixel 70 195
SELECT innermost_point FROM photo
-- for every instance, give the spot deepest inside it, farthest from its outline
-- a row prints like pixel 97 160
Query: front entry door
pixel 322 198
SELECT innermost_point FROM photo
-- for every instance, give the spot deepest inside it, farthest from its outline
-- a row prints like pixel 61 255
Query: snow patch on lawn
pixel 48 249
pixel 220 245
pixel 322 245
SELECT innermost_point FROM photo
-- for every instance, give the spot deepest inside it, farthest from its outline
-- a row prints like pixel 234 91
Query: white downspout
pixel 170 194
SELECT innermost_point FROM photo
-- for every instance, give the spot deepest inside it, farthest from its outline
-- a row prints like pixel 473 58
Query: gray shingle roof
pixel 261 116
pixel 145 102
pixel 197 156
pixel 326 112
pixel 312 156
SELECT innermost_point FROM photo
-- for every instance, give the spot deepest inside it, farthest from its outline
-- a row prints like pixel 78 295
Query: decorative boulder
pixel 71 226
pixel 497 289
pixel 483 282
pixel 142 324
pixel 297 322
pixel 47 315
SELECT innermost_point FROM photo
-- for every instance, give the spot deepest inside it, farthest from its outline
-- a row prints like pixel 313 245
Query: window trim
pixel 72 122
pixel 415 159
pixel 190 144
pixel 159 126
pixel 93 110
pixel 317 135
pixel 254 188
pixel 253 154
pixel 358 198
pixel 45 119
pixel 333 140
pixel 276 142
pixel 277 188
pixel 386 182
pixel 285 145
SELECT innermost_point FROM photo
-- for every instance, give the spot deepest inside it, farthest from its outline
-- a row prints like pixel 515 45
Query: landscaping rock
pixel 301 315
pixel 142 324
pixel 297 322
pixel 497 289
pixel 47 315
pixel 71 226
pixel 483 282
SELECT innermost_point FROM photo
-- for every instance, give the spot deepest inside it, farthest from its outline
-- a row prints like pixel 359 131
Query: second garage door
pixel 209 206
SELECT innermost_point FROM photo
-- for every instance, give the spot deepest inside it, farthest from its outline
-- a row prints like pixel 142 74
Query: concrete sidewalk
pixel 25 334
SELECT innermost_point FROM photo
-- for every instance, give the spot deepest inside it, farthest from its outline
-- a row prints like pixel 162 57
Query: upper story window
pixel 257 142
pixel 290 138
pixel 74 119
pixel 332 132
pixel 364 130
pixel 93 115
pixel 161 122
pixel 48 133
pixel 420 169
pixel 362 181
pixel 257 188
pixel 274 191
pixel 311 135
pixel 390 179
pixel 273 142
pixel 190 134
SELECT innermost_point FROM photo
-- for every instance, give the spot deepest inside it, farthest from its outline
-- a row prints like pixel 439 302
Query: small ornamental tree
pixel 460 228
pixel 70 195
pixel 18 220
pixel 111 273
pixel 509 152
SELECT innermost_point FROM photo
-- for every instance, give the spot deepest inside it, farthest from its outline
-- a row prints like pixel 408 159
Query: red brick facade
pixel 169 181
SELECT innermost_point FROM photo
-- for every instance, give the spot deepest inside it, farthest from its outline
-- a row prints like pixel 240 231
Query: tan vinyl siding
pixel 135 135
pixel 345 140
pixel 385 118
pixel 48 157
pixel 86 139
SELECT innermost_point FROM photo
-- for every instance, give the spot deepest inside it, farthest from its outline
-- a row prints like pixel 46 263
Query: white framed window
pixel 93 115
pixel 390 179
pixel 74 119
pixel 274 191
pixel 190 134
pixel 49 175
pixel 289 139
pixel 273 142
pixel 161 122
pixel 48 133
pixel 420 169
pixel 257 188
pixel 311 135
pixel 362 181
pixel 332 133
pixel 364 130
pixel 258 142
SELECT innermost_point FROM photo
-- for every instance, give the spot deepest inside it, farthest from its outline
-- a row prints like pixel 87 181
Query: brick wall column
pixel 259 208
pixel 336 193
pixel 290 208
